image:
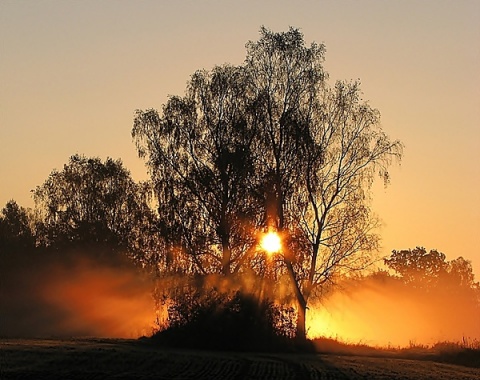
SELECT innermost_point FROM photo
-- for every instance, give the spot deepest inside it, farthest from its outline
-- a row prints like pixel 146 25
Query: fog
pixel 85 294
pixel 385 313
pixel 78 294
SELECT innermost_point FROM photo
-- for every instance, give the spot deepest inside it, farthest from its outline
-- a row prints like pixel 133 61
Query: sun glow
pixel 271 242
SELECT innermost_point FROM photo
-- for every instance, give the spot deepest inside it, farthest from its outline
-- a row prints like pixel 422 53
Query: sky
pixel 72 74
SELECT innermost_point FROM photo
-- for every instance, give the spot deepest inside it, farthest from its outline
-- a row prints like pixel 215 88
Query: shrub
pixel 227 321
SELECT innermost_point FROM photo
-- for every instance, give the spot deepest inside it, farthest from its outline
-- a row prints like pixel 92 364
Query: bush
pixel 228 321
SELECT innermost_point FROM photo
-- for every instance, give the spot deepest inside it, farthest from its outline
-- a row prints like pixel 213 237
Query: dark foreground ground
pixel 130 359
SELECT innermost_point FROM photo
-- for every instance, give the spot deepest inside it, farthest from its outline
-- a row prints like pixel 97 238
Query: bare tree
pixel 346 148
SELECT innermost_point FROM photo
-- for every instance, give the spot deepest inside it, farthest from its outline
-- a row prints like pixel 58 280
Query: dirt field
pixel 128 359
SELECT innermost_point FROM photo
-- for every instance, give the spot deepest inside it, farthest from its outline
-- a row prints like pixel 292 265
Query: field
pixel 133 359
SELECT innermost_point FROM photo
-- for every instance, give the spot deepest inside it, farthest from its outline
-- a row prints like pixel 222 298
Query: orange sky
pixel 73 72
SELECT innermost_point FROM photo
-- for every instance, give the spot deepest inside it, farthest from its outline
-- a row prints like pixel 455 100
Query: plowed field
pixel 128 359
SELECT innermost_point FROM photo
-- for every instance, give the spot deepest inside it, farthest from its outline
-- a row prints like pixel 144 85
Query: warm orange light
pixel 271 242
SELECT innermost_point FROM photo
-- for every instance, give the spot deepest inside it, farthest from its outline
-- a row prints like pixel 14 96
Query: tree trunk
pixel 223 231
pixel 301 331
pixel 226 257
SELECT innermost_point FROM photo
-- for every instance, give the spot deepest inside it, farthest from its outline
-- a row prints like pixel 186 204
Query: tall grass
pixel 464 352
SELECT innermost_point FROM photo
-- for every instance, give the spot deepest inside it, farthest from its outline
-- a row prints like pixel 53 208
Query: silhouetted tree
pixel 199 156
pixel 417 266
pixel 320 149
pixel 15 229
pixel 461 273
pixel 268 145
pixel 425 270
pixel 94 202
pixel 227 320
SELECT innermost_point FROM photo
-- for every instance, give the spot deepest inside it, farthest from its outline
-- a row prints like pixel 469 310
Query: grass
pixel 465 352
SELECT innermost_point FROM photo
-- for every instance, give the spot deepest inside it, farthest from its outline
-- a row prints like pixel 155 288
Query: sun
pixel 271 242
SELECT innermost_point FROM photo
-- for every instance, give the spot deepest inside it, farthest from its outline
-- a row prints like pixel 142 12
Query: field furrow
pixel 121 360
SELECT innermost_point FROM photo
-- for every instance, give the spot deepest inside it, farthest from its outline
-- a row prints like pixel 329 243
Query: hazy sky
pixel 72 74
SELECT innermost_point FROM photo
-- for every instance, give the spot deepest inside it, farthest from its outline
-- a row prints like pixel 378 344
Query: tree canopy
pixel 15 229
pixel 94 202
pixel 422 269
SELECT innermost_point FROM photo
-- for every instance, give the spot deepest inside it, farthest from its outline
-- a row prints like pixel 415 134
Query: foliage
pixel 228 321
pixel 199 156
pixel 91 202
pixel 16 233
pixel 418 268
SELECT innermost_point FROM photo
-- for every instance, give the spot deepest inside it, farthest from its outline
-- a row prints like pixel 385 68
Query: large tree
pixel 199 155
pixel 269 145
pixel 320 150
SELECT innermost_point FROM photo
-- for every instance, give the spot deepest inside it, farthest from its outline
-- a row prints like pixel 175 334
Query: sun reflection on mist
pixel 100 301
pixel 320 323
pixel 388 315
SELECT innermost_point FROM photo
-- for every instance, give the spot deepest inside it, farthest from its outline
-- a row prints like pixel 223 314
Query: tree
pixel 322 148
pixel 199 156
pixel 94 202
pixel 424 270
pixel 461 273
pixel 15 229
pixel 416 266
pixel 269 145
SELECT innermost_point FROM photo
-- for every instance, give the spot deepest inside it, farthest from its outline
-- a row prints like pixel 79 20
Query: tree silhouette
pixel 426 270
pixel 322 147
pixel 94 202
pixel 461 273
pixel 268 145
pixel 416 266
pixel 16 233
pixel 199 156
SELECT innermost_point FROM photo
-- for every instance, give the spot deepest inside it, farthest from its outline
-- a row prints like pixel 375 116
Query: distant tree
pixel 420 269
pixel 15 229
pixel 268 145
pixel 416 266
pixel 461 273
pixel 95 203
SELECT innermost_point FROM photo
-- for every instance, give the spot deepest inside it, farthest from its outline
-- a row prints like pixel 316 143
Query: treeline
pixel 420 269
pixel 88 204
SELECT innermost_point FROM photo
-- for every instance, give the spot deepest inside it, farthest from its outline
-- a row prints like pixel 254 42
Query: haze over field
pixel 82 296
pixel 74 295
pixel 384 314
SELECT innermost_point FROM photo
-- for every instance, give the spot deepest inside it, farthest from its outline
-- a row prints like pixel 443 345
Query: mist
pixel 80 294
pixel 74 295
pixel 384 312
